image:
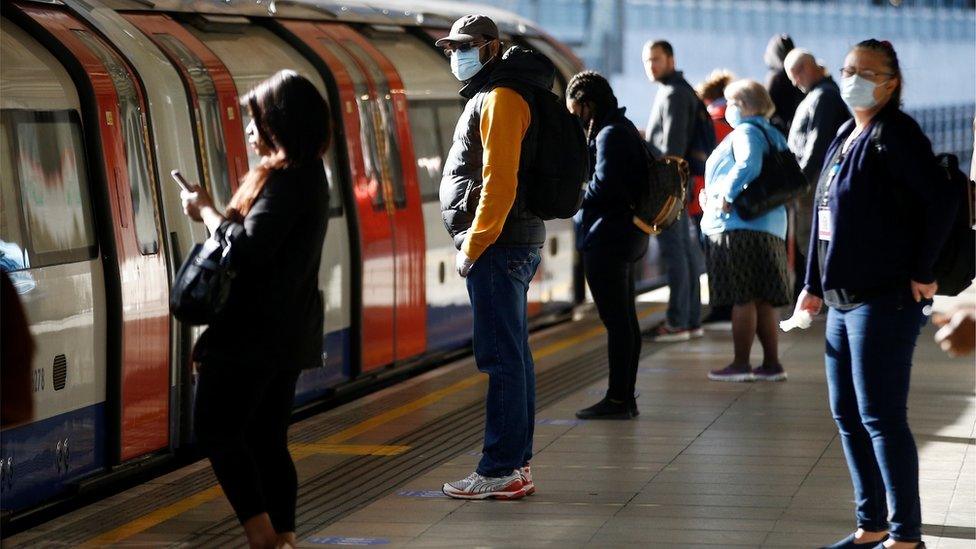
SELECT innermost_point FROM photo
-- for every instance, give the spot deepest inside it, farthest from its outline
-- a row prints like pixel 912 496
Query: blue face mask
pixel 733 115
pixel 858 92
pixel 466 64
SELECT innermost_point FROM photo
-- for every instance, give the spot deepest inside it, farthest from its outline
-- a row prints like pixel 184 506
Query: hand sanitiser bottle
pixel 800 319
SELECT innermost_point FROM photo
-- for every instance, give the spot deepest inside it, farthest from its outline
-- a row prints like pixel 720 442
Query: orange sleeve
pixel 505 118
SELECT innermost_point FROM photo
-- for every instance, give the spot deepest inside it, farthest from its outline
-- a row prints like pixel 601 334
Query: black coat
pixel 275 314
pixel 605 220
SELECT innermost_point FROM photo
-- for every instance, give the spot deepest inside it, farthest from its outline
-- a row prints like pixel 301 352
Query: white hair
pixel 796 56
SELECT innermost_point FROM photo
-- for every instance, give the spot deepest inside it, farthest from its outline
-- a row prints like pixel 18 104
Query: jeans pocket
pixel 523 266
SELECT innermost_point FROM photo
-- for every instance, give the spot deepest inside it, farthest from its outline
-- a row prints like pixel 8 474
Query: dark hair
pixel 591 87
pixel 664 45
pixel 885 48
pixel 293 120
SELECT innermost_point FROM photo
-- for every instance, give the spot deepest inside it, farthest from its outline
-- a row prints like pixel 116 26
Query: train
pixel 100 99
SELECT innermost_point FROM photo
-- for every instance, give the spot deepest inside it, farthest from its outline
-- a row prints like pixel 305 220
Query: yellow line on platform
pixel 332 444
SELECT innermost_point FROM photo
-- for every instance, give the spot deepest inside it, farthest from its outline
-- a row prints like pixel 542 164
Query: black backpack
pixel 955 267
pixel 558 167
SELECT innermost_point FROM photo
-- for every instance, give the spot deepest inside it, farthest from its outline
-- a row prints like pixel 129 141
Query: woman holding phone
pixel 271 327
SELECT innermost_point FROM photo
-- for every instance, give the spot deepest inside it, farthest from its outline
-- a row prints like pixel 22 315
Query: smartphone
pixel 178 177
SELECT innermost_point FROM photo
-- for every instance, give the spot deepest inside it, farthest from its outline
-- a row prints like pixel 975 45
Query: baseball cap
pixel 469 28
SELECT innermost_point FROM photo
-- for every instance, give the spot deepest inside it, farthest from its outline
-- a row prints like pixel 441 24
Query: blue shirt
pixel 735 163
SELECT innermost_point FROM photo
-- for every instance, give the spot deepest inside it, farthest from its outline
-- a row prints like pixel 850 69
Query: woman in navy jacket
pixel 605 234
pixel 881 216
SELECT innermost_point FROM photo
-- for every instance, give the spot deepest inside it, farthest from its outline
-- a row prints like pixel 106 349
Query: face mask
pixel 733 115
pixel 857 92
pixel 466 64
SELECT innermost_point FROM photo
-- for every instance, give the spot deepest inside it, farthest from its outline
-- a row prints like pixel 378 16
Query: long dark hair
pixel 293 120
pixel 885 48
pixel 592 88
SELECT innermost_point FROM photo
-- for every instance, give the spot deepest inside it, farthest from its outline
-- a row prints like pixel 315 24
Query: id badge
pixel 825 227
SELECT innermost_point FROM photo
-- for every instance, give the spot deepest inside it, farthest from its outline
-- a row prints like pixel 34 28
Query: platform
pixel 705 463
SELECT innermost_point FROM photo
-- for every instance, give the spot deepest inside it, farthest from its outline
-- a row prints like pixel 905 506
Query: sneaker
pixel 769 373
pixel 475 486
pixel 665 334
pixel 526 473
pixel 719 319
pixel 607 409
pixel 695 333
pixel 731 372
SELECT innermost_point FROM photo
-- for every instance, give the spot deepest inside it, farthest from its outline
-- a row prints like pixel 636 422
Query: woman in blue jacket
pixel 606 235
pixel 881 216
pixel 746 258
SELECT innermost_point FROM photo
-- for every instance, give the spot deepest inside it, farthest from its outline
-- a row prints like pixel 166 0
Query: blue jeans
pixel 498 285
pixel 684 263
pixel 869 361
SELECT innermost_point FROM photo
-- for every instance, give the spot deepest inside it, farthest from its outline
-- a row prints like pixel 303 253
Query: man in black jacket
pixel 821 113
pixel 485 209
pixel 785 96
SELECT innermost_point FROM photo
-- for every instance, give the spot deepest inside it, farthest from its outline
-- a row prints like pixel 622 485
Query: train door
pixel 385 191
pixel 49 249
pixel 138 325
pixel 434 107
pixel 252 54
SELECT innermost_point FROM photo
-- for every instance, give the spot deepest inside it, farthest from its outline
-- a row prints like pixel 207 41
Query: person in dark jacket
pixel 272 325
pixel 815 124
pixel 785 96
pixel 606 235
pixel 883 213
pixel 485 208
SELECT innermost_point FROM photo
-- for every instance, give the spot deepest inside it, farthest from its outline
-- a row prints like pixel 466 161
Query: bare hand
pixel 926 291
pixel 809 303
pixel 958 333
pixel 196 201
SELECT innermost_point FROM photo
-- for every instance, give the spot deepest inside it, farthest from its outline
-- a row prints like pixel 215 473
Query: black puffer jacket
pixel 526 72
pixel 784 94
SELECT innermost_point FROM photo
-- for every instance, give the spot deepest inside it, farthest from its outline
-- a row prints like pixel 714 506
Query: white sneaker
pixel 475 486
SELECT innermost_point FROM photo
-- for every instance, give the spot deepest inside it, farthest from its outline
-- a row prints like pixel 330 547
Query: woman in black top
pixel 271 328
pixel 606 235
pixel 881 216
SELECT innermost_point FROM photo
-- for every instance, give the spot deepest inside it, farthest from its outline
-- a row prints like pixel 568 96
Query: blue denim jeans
pixel 684 263
pixel 869 361
pixel 498 286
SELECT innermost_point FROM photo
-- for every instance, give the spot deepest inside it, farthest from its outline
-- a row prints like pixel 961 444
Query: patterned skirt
pixel 746 266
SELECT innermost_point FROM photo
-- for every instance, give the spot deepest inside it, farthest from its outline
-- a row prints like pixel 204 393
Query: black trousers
pixel 241 421
pixel 611 282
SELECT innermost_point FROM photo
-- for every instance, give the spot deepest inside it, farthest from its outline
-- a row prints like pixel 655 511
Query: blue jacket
pixel 731 167
pixel 891 207
pixel 605 220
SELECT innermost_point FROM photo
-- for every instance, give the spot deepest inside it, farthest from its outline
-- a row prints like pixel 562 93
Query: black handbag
pixel 203 283
pixel 780 181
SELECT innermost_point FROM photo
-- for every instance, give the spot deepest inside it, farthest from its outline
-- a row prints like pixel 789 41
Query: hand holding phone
pixel 178 177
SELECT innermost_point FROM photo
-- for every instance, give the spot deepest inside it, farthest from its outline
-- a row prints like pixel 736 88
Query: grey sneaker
pixel 769 373
pixel 475 486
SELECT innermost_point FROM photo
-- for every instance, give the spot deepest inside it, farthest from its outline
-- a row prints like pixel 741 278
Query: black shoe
pixel 632 407
pixel 848 543
pixel 608 409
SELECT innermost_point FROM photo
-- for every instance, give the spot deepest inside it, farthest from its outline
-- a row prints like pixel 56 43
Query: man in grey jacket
pixel 817 119
pixel 670 131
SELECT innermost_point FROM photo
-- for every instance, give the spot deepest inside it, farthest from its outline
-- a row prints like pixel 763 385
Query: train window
pixel 368 140
pixel 210 133
pixel 45 173
pixel 387 125
pixel 428 149
pixel 135 136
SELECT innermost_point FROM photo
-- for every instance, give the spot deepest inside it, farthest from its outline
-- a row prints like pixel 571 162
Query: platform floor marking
pixel 299 451
pixel 163 514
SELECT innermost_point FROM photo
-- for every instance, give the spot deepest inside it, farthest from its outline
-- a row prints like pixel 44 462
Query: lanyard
pixel 835 167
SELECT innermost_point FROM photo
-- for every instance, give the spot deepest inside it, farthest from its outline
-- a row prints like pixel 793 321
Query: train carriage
pixel 99 99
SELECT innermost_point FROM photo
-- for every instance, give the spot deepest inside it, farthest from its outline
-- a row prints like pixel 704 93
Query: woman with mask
pixel 879 222
pixel 746 258
pixel 271 327
pixel 606 235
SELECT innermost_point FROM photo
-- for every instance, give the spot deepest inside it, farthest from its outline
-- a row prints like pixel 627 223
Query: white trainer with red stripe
pixel 475 486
